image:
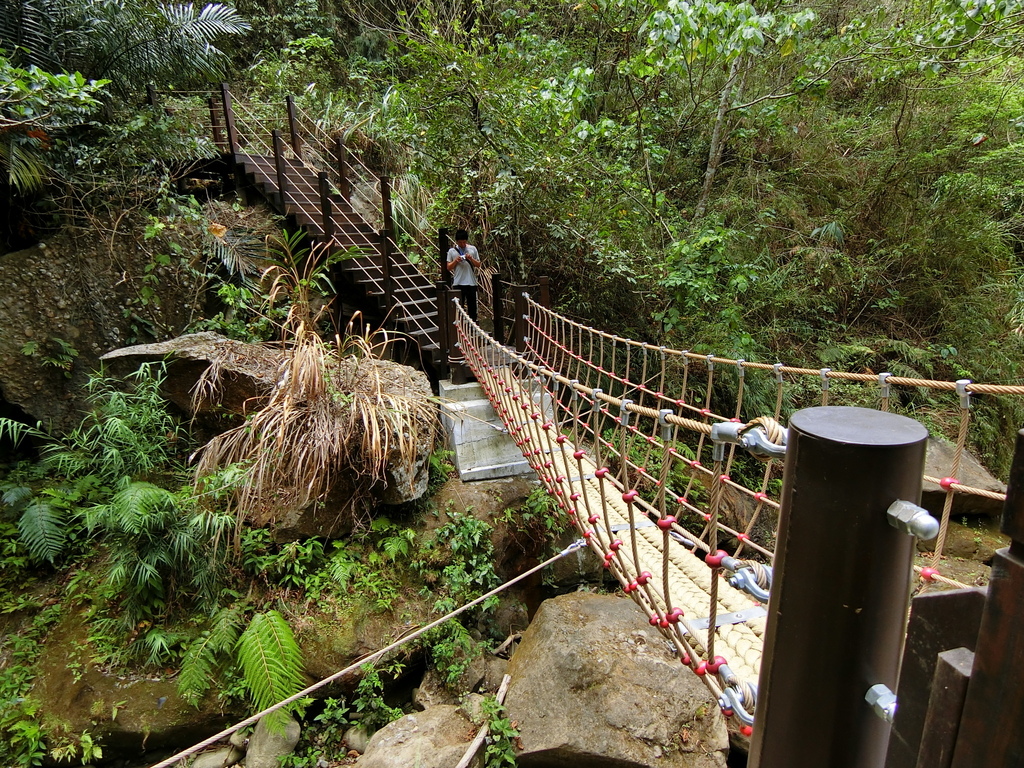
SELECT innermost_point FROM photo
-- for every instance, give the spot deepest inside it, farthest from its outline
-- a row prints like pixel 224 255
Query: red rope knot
pixel 946 482
pixel 761 496
pixel 515 396
pixel 665 523
pixel 588 534
pixel 546 426
pixel 928 574
pixel 695 463
pixel 525 406
pixel 747 730
pixel 655 618
pixel 714 665
pixel 674 616
pixel 705 411
pixel 643 578
pixel 659 394
pixel 592 519
pixel 723 478
pixel 680 402
pixel 681 500
pixel 547 464
pixel 535 416
pixel 600 473
pixel 578 454
pixel 685 659
pixel 574 497
pixel 631 587
pixel 628 496
pixel 715 560
pixel 560 479
pixel 537 451
pixel 736 420
pixel 616 545
pixel 706 516
pixel 742 537
pixel 560 439
pixel 650 440
pixel 702 669
pixel 526 438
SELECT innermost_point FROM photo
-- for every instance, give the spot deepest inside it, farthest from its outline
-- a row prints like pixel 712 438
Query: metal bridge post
pixel 838 607
pixel 990 730
pixel 519 321
pixel 293 127
pixel 497 306
pixel 151 97
pixel 545 292
pixel 385 242
pixel 279 166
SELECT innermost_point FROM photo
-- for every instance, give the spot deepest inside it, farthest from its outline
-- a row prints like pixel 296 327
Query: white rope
pixel 366 660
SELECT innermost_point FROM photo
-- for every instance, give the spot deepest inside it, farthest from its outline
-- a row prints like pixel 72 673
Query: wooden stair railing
pixel 319 201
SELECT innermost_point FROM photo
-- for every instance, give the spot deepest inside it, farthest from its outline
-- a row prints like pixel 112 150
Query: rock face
pixel 592 686
pixel 435 738
pixel 939 463
pixel 246 376
pixel 67 301
pixel 129 715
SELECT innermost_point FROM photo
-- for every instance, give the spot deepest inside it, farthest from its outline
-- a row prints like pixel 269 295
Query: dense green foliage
pixel 812 184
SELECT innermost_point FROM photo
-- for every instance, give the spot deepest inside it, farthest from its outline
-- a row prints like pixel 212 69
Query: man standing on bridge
pixel 463 261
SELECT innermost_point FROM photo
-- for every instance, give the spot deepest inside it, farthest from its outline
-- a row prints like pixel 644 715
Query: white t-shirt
pixel 463 274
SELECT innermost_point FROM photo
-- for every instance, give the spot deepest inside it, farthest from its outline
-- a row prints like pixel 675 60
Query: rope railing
pixel 636 522
pixel 639 371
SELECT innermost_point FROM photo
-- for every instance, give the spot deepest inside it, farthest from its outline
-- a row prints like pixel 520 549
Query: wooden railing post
pixel 326 210
pixel 519 327
pixel 293 127
pixel 279 166
pixel 498 307
pixel 385 242
pixel 341 158
pixel 443 246
pixel 215 126
pixel 990 730
pixel 837 615
pixel 229 118
pixel 443 329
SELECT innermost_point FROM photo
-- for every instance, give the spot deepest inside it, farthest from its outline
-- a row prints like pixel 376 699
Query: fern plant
pixel 207 652
pixel 271 663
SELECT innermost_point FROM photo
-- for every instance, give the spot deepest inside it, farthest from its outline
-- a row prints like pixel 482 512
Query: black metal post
pixel 545 292
pixel 990 732
pixel 387 279
pixel 519 317
pixel 837 613
pixel 279 166
pixel 229 118
pixel 151 97
pixel 498 306
pixel 293 127
pixel 326 210
pixel 341 158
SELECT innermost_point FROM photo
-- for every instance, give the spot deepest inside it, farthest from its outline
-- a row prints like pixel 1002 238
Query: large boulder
pixel 939 463
pixel 245 376
pixel 435 738
pixel 593 684
pixel 269 744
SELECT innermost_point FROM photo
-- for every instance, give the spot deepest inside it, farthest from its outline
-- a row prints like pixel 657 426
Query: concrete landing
pixel 483 449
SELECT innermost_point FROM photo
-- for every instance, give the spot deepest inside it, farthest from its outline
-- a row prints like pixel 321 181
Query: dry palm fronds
pixel 334 408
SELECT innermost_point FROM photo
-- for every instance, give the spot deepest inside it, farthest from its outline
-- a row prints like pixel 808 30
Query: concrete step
pixel 483 449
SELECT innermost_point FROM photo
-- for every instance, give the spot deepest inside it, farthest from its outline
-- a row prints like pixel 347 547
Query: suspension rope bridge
pixel 628 437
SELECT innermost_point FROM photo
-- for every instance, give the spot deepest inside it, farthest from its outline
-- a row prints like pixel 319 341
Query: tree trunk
pixel 717 139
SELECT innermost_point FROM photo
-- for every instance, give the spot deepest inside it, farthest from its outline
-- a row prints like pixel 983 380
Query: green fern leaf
pixel 197 666
pixel 271 662
pixel 41 527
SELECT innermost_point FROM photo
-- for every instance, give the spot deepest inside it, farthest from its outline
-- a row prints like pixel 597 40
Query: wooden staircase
pixel 316 194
